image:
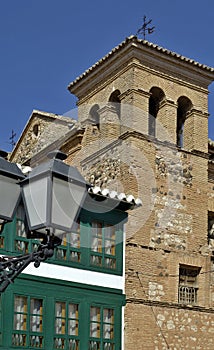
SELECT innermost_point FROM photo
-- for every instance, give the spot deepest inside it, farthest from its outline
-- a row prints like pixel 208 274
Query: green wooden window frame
pixel 102 328
pixel 103 245
pixel 28 322
pixel 78 248
pixel 66 327
pixel 70 250
pixel 62 318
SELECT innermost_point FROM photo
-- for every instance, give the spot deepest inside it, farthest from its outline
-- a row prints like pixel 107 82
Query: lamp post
pixel 53 194
pixel 10 175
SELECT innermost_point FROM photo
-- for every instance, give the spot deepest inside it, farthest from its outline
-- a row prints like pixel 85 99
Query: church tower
pixel 149 108
pixel 167 92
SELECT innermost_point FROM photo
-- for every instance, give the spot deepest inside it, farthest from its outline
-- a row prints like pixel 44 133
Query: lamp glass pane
pixel 9 195
pixel 66 202
pixel 35 194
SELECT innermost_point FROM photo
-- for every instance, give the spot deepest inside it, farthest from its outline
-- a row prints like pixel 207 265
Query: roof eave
pixel 133 41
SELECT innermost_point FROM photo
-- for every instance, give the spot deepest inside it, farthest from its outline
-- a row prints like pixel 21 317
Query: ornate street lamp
pixel 53 194
pixel 10 175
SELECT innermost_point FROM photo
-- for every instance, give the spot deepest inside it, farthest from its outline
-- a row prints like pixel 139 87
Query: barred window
pixel 188 285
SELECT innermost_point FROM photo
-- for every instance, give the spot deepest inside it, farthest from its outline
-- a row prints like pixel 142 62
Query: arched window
pixel 115 101
pixel 94 115
pixel 184 106
pixel 156 96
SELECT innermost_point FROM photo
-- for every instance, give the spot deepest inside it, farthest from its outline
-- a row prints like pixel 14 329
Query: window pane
pixel 70 247
pixel 60 318
pixel 73 344
pixel 108 323
pixel 21 244
pixel 20 228
pixel 94 345
pixel 108 315
pixel 75 256
pixel 36 341
pixel 96 237
pixel 96 260
pixel 110 263
pixel 109 247
pixel 20 313
pixel 95 322
pixel 59 343
pixel 19 339
pixel 73 319
pixel 36 315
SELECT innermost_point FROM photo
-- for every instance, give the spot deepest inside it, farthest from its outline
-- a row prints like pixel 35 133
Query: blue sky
pixel 45 44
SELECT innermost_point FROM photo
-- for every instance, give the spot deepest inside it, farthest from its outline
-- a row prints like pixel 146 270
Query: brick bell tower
pixel 171 88
pixel 152 106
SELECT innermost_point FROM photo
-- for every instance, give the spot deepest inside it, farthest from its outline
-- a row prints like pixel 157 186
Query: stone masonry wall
pixel 150 327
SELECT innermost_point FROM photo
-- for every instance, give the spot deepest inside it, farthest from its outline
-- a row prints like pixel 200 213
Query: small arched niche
pixel 115 101
pixel 184 107
pixel 36 130
pixel 156 97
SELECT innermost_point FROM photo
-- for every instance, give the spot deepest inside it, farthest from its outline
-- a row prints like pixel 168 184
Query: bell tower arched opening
pixel 184 107
pixel 115 101
pixel 156 97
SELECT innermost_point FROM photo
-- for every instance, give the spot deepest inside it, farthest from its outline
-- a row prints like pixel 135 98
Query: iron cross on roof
pixel 12 139
pixel 146 29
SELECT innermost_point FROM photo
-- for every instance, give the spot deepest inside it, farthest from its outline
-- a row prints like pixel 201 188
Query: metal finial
pixel 12 138
pixel 145 29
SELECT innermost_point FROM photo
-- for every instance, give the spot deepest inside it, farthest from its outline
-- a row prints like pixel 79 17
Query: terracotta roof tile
pixel 133 39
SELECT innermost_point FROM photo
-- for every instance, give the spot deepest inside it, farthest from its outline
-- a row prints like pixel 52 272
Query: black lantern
pixel 53 194
pixel 10 176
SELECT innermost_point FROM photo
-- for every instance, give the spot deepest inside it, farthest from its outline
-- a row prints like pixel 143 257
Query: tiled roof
pixel 133 39
pixel 120 197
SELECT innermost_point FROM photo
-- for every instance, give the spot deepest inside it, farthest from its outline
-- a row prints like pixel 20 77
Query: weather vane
pixel 12 141
pixel 146 29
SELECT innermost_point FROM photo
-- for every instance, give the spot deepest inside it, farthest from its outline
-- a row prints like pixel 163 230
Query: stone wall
pixel 163 327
